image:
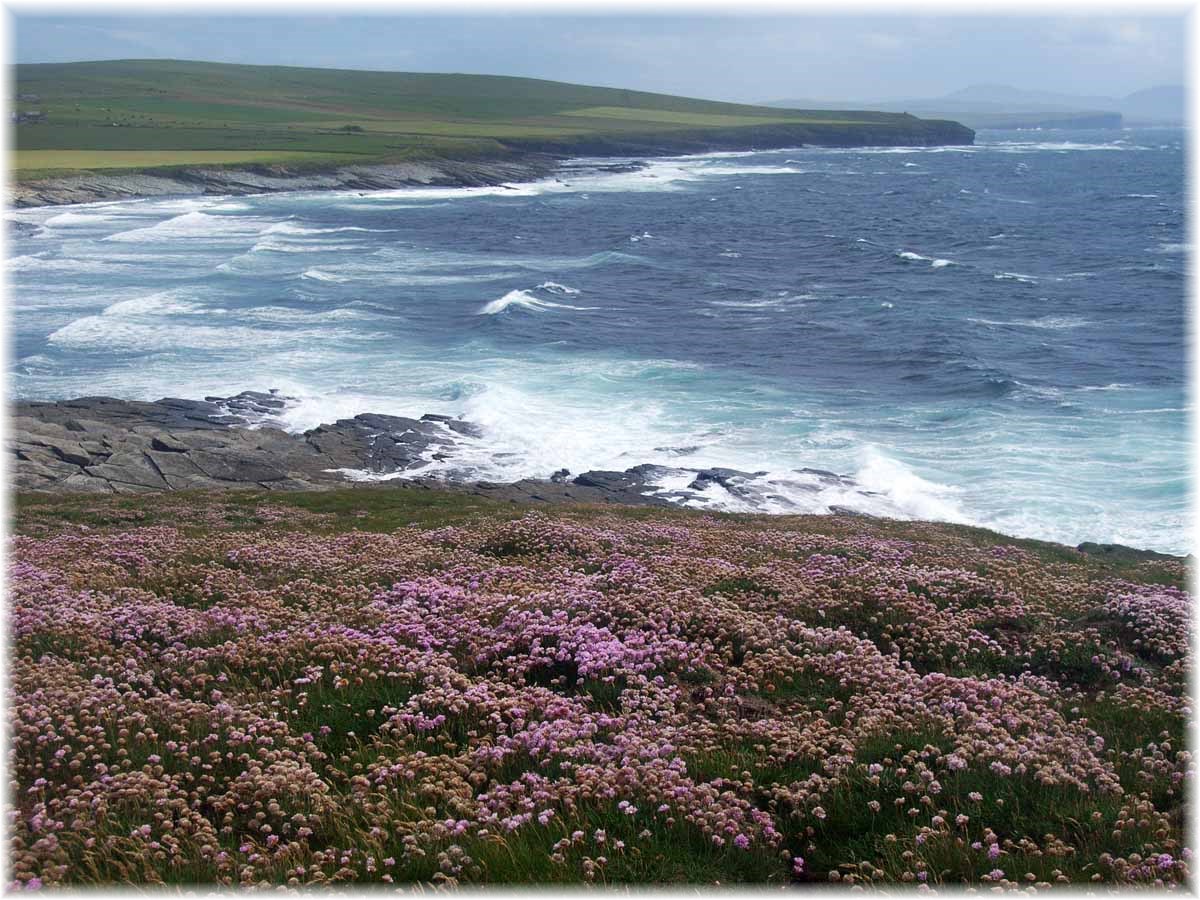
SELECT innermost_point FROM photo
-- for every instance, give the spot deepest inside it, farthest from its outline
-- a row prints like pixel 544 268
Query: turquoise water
pixel 992 334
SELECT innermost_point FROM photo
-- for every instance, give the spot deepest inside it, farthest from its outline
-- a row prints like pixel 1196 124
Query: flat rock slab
pixel 103 444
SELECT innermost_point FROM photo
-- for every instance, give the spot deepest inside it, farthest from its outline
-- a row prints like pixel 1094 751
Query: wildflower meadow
pixel 396 686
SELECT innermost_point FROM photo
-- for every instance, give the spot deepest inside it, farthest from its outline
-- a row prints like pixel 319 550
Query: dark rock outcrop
pixel 130 446
pixel 1121 553
pixel 96 186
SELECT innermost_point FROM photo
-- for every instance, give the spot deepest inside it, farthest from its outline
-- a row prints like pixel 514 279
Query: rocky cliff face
pixel 531 160
pixel 260 180
pixel 890 132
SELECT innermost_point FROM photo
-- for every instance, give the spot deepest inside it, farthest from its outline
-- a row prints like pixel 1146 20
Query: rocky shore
pixel 106 445
pixel 98 186
pixel 526 160
pixel 110 446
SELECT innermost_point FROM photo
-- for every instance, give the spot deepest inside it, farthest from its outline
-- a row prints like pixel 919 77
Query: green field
pixel 96 160
pixel 138 113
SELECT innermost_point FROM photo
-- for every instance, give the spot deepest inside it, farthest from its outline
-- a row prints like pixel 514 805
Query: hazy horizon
pixel 751 58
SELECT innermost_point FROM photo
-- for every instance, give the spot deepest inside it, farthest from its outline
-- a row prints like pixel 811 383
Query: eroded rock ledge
pixel 100 186
pixel 106 445
pixel 102 444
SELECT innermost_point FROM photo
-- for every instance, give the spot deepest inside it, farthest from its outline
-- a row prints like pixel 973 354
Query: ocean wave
pixel 706 171
pixel 555 288
pixel 1053 323
pixel 1015 276
pixel 269 246
pixel 1113 386
pixel 934 263
pixel 193 225
pixel 162 303
pixel 26 261
pixel 86 219
pixel 292 228
pixel 524 300
pixel 319 275
pixel 375 198
pixel 121 334
pixel 782 300
pixel 286 315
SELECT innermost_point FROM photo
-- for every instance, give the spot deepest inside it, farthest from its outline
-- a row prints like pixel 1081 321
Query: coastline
pixel 526 161
pixel 108 446
pixel 75 189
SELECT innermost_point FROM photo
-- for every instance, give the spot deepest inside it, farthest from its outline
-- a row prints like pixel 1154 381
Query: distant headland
pixel 91 131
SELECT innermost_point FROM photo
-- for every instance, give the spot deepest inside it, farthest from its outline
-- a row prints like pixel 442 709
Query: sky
pixel 757 56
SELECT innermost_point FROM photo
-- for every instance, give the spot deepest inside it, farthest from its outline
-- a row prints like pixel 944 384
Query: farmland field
pixel 130 106
pixel 401 685
pixel 146 159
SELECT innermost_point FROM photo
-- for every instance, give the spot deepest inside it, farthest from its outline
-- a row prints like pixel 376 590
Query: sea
pixel 993 334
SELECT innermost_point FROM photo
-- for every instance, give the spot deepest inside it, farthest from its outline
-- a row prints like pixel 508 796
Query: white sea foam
pixel 1113 386
pixel 555 288
pixel 708 171
pixel 286 315
pixel 162 303
pixel 1015 276
pixel 1059 146
pixel 910 494
pixel 269 246
pixel 193 225
pixel 123 334
pixel 1057 323
pixel 291 228
pixel 25 261
pixel 781 300
pixel 880 486
pixel 319 275
pixel 76 219
pixel 917 257
pixel 524 300
pixel 376 198
pixel 1053 323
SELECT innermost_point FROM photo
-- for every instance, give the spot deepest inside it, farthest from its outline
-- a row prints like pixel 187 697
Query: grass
pixel 99 160
pixel 130 107
pixel 384 508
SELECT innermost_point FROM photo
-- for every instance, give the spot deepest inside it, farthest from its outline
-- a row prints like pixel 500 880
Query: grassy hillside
pixel 404 685
pixel 117 110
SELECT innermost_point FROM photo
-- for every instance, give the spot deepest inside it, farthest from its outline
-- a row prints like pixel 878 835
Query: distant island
pixel 104 130
pixel 1003 106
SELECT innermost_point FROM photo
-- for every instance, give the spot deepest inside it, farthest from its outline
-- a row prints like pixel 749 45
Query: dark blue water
pixel 993 334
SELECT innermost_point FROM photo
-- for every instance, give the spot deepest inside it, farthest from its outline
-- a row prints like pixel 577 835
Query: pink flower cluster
pixel 799 699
